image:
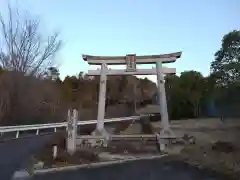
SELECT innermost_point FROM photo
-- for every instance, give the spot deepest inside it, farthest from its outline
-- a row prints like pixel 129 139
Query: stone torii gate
pixel 131 60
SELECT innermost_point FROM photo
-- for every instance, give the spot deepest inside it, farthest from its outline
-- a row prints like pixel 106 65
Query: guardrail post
pixel 17 134
pixel 55 149
pixel 72 131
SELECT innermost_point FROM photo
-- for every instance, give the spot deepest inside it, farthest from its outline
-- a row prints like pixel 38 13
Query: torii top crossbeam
pixel 118 60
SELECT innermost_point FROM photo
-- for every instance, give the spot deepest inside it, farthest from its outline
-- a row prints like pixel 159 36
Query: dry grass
pixel 206 157
pixel 63 157
pixel 207 132
pixel 205 153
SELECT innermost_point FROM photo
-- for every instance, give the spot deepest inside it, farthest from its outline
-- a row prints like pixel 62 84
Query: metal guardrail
pixel 118 136
pixel 33 125
pixel 37 127
pixel 130 136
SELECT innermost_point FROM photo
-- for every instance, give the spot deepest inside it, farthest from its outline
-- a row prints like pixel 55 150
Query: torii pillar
pixel 163 103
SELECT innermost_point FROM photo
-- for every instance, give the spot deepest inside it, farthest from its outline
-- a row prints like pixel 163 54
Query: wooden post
pixel 72 131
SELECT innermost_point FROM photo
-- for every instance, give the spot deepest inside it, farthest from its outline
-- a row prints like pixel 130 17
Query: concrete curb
pixel 19 175
pixel 93 165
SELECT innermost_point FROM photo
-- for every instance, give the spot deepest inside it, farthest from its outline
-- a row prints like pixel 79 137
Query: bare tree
pixel 24 56
pixel 24 49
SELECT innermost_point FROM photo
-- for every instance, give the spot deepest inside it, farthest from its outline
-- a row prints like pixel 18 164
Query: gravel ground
pixel 154 169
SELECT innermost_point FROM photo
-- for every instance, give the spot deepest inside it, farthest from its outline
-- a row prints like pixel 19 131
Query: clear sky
pixel 118 27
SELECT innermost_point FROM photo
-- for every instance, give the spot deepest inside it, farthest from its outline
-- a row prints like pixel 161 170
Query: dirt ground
pixel 208 133
pixel 206 130
pixel 217 144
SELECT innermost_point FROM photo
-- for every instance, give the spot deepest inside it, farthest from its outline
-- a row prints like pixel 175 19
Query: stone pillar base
pixel 102 132
pixel 100 142
pixel 167 133
pixel 162 138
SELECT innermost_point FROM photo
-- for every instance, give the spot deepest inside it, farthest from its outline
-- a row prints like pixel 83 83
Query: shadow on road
pixel 13 153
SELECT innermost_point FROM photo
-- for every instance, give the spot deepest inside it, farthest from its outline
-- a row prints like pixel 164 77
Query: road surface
pixel 14 153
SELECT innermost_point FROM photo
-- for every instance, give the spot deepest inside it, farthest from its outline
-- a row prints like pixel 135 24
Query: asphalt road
pixel 154 169
pixel 14 153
